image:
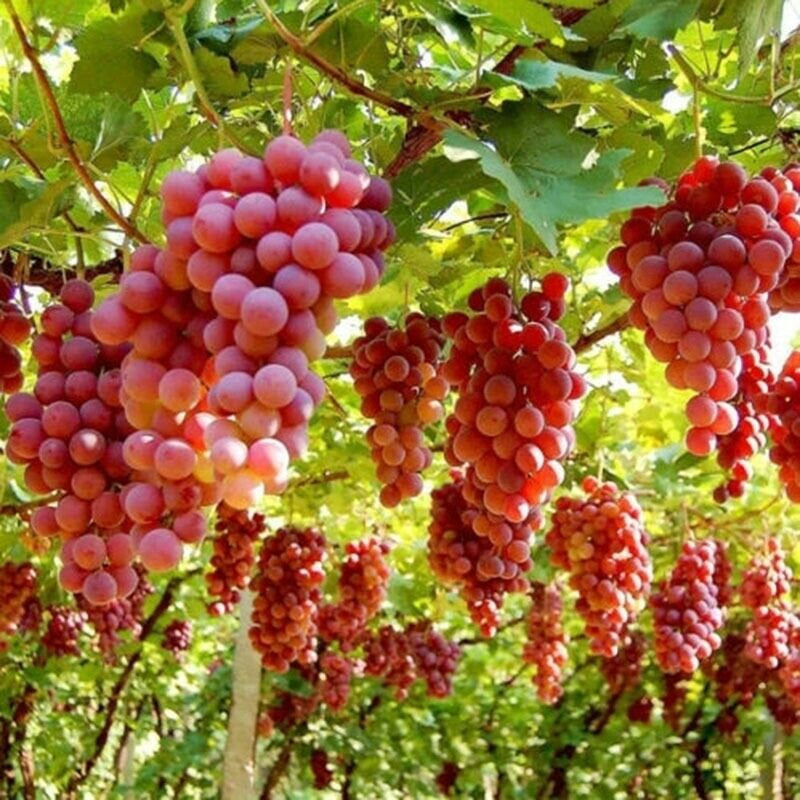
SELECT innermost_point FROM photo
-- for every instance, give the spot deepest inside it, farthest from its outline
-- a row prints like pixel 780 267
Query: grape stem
pixel 63 134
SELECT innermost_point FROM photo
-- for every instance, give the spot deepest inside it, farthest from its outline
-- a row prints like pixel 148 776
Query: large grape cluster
pixel 225 320
pixel 70 434
pixel 699 270
pixel 15 328
pixel 601 540
pixel 395 373
pixel 17 587
pixel 363 578
pixel 512 423
pixel 234 556
pixel 546 644
pixel 478 565
pixel 287 597
pixel 688 608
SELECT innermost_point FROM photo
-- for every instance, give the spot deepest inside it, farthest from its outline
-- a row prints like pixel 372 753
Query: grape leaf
pixel 548 170
pixel 527 14
pixel 28 203
pixel 218 74
pixel 108 61
pixel 659 20
pixel 534 75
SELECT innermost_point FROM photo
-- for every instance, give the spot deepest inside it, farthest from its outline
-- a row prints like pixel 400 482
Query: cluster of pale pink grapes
pixel 224 321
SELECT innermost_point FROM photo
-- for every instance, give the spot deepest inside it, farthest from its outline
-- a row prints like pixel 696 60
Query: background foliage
pixel 515 134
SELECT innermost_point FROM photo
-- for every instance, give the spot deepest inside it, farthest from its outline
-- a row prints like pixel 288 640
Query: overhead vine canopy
pixel 399 398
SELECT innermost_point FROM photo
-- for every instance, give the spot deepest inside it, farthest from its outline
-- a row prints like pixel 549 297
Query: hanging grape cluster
pixel 363 578
pixel 177 636
pixel 234 556
pixel 225 320
pixel 395 373
pixel 70 434
pixel 287 593
pixel 546 645
pixel 64 626
pixel 601 540
pixel 699 270
pixel 689 607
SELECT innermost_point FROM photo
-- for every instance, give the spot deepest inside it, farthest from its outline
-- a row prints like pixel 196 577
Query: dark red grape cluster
pixel 234 556
pixel 511 428
pixel 17 587
pixel 774 626
pixel 641 709
pixel 546 643
pixel 447 776
pixel 363 578
pixel 287 593
pixel 226 318
pixel 688 608
pixel 335 674
pixel 458 555
pixel 177 636
pixel 320 769
pixel 734 450
pixel 395 372
pixel 64 626
pixel 121 614
pixel 15 328
pixel 70 432
pixel 784 403
pixel 400 657
pixel 601 540
pixel 624 670
pixel 673 699
pixel 699 270
pixel 734 675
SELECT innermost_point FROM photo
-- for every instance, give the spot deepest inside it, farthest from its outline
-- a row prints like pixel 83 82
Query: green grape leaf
pixel 29 204
pixel 658 20
pixel 218 74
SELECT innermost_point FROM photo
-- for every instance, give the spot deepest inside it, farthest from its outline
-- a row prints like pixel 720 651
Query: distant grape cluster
pixel 336 673
pixel 546 644
pixel 689 607
pixel 234 556
pixel 177 636
pixel 395 371
pixel 774 626
pixel 784 403
pixel 624 670
pixel 63 630
pixel 400 657
pixel 17 587
pixel 458 555
pixel 601 540
pixel 699 270
pixel 15 328
pixel 320 769
pixel 225 320
pixel 446 777
pixel 363 578
pixel 287 593
pixel 70 433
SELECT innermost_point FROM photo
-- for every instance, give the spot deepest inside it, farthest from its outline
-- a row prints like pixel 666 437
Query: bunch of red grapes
pixel 14 330
pixel 476 564
pixel 177 636
pixel 689 607
pixel 17 587
pixel 512 423
pixel 70 432
pixel 699 270
pixel 785 296
pixel 323 774
pixel 674 698
pixel 336 672
pixel 395 374
pixel 774 626
pixel 734 674
pixel 784 403
pixel 546 645
pixel 641 709
pixel 234 556
pixel 226 318
pixel 63 630
pixel 623 671
pixel 363 578
pixel 601 540
pixel 287 593
pixel 400 657
pixel 122 614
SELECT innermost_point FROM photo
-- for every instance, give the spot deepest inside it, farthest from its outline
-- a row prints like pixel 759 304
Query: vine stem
pixel 338 74
pixel 63 134
pixel 287 98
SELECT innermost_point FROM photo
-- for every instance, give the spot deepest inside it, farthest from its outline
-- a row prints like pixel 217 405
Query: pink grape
pixel 243 489
pixel 190 527
pixel 229 294
pixel 175 459
pixel 232 359
pixel 274 385
pixel 155 337
pixel 179 390
pixel 73 514
pixel 88 483
pixel 107 510
pixel 346 227
pixel 53 453
pixel 268 458
pixel 344 277
pixel 87 446
pixel 264 311
pixel 21 405
pixel 141 378
pixel 79 353
pixel 204 269
pixel 258 421
pixel 234 391
pixel 71 577
pixel 142 292
pixel 296 207
pixel 181 192
pixel 221 166
pixel 250 175
pixel 283 157
pixel 143 503
pixel 243 260
pixel 61 419
pixel 214 228
pixel 89 551
pixel 79 386
pixel 160 550
pixel 99 588
pixel 228 454
pixel 253 345
pixel 274 250
pixel 50 387
pixel 315 245
pixel 293 359
pixel 77 295
pixel 254 214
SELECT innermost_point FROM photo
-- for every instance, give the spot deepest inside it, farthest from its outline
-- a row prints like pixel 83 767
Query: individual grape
pixel 160 550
